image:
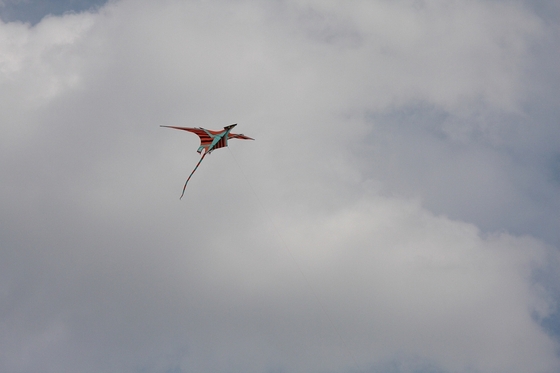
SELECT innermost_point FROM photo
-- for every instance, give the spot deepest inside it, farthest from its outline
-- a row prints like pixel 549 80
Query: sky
pixel 396 213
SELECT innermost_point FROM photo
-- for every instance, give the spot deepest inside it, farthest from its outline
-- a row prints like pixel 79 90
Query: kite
pixel 209 141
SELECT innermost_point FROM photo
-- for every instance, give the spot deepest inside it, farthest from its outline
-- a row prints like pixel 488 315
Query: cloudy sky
pixel 397 213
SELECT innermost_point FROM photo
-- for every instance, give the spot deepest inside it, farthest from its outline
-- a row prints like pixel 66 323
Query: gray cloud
pixel 397 212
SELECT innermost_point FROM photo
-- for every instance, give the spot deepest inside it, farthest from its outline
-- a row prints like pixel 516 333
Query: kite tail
pixel 186 182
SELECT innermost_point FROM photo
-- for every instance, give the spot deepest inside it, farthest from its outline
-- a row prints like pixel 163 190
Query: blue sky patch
pixel 32 11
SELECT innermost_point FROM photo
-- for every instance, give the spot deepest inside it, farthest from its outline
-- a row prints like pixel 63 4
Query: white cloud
pixel 312 257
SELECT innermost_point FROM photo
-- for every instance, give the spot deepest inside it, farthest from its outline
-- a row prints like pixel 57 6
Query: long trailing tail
pixel 186 182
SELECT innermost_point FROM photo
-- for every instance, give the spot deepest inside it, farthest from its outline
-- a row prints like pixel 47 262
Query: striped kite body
pixel 209 141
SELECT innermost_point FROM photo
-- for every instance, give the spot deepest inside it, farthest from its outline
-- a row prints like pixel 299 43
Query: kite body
pixel 209 141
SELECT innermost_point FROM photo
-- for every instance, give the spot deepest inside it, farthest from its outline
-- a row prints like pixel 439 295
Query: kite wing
pixel 206 136
pixel 239 136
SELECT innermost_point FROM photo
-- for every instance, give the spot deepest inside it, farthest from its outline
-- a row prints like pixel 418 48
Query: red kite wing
pixel 239 136
pixel 205 139
pixel 222 142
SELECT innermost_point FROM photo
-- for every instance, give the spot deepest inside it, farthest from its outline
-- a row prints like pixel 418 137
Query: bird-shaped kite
pixel 209 141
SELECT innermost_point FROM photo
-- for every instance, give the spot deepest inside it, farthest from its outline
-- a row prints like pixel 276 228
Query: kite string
pixel 307 281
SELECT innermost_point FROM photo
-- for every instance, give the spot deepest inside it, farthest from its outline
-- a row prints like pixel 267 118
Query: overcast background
pixel 398 211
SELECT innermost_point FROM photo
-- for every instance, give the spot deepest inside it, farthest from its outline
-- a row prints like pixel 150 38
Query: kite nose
pixel 230 126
